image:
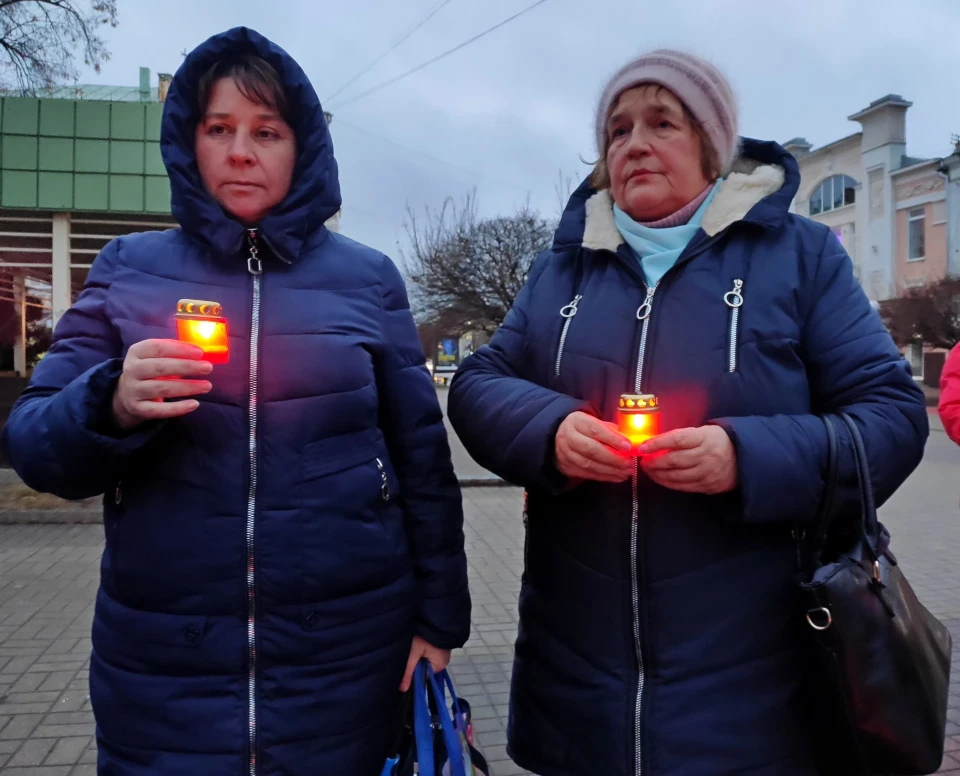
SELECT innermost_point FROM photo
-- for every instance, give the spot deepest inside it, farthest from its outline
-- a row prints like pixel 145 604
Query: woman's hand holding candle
pixel 155 370
pixel 589 449
pixel 692 460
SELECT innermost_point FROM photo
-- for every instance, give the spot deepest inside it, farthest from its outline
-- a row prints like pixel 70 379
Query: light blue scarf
pixel 658 248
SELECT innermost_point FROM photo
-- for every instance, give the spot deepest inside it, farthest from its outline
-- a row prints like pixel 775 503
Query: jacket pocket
pixel 358 472
pixel 336 454
pixel 526 529
pixel 568 312
pixel 138 650
pixel 114 507
pixel 349 535
pixel 734 300
pixel 127 627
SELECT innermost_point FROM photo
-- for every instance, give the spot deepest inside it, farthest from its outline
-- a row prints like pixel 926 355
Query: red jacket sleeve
pixel 950 395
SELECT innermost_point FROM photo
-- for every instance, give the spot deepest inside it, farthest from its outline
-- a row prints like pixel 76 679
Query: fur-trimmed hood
pixel 759 189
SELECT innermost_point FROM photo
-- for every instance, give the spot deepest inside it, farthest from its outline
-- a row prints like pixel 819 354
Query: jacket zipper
pixel 643 314
pixel 734 300
pixel 255 268
pixel 567 312
pixel 385 485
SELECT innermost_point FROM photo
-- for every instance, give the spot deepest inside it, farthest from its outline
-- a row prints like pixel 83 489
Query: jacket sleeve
pixel 412 422
pixel 507 421
pixel 59 436
pixel 854 367
pixel 949 407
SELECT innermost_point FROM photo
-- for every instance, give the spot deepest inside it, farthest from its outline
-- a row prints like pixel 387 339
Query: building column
pixel 62 294
pixel 20 342
pixel 951 169
pixel 883 145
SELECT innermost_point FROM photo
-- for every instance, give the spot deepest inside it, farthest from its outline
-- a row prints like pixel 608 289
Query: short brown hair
pixel 709 158
pixel 256 79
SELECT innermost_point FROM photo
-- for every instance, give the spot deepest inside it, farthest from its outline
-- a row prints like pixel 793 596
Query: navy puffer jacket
pixel 270 556
pixel 657 628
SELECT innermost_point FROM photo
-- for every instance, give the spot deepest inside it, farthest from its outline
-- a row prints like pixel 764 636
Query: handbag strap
pixel 822 523
pixel 459 718
pixel 450 738
pixel 425 683
pixel 422 721
pixel 870 524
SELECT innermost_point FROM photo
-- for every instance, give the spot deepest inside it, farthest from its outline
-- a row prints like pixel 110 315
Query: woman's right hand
pixel 589 449
pixel 155 370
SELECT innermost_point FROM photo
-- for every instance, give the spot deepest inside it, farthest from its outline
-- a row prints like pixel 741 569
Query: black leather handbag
pixel 880 661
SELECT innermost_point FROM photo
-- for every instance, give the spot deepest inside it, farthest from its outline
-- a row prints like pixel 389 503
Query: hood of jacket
pixel 759 189
pixel 314 194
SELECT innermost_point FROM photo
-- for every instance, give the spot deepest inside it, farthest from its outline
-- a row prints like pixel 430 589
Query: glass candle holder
pixel 202 324
pixel 638 417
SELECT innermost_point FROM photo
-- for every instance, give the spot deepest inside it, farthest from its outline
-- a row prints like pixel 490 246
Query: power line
pixel 466 170
pixel 466 43
pixel 383 56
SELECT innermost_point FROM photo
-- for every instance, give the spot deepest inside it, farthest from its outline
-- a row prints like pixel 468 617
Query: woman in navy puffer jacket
pixel 280 547
pixel 658 633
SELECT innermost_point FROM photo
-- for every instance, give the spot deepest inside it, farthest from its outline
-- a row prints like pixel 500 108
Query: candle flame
pixel 205 329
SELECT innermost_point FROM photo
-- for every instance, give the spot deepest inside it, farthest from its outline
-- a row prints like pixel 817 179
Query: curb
pixel 51 517
pixel 484 482
pixel 95 516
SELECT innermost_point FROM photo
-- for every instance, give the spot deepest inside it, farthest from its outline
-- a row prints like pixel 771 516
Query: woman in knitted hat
pixel 658 633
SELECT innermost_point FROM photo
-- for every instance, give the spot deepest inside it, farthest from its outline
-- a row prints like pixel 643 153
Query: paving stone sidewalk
pixel 48 577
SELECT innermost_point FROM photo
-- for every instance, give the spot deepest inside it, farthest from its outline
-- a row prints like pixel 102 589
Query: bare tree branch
pixel 465 271
pixel 563 188
pixel 42 39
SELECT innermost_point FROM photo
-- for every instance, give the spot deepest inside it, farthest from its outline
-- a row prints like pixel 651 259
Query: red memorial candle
pixel 202 324
pixel 638 417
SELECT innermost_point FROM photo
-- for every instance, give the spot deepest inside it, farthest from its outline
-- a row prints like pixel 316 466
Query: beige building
pixel 898 216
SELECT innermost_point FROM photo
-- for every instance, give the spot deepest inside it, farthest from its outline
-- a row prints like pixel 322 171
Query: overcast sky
pixel 510 111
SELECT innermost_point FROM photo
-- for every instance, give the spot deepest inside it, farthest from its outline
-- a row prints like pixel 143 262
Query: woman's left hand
pixel 692 460
pixel 439 659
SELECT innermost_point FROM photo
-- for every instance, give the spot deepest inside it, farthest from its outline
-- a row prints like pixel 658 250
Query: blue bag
pixel 437 740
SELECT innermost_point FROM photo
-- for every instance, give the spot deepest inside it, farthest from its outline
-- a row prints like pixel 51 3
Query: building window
pixel 835 192
pixel 916 242
pixel 915 357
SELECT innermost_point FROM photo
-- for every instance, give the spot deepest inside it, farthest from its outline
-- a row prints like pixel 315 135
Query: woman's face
pixel 653 154
pixel 246 153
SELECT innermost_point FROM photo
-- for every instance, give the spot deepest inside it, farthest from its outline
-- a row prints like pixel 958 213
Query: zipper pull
pixel 734 298
pixel 644 310
pixel 118 494
pixel 254 265
pixel 569 310
pixel 385 487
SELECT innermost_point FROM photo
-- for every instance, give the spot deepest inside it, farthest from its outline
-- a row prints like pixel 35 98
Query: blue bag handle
pixel 390 766
pixel 459 718
pixel 422 723
pixel 452 740
pixel 424 680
